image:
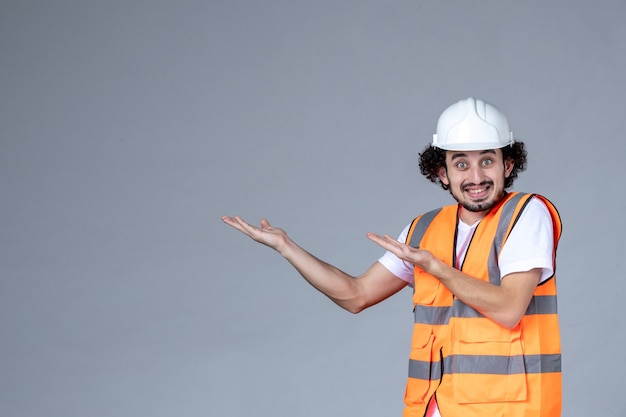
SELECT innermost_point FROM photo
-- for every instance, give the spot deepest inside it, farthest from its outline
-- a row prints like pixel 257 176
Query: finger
pixel 246 227
pixel 231 221
pixel 385 241
pixel 392 240
pixel 373 237
pixel 383 238
pixel 239 224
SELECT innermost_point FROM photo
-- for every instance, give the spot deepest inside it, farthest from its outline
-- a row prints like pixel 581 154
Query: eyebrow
pixel 463 154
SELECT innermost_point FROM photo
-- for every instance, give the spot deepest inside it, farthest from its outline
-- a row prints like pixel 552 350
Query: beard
pixel 479 206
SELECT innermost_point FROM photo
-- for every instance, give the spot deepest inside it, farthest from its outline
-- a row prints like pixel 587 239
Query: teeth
pixel 476 191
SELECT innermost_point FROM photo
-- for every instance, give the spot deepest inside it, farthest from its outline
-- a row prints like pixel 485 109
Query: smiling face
pixel 476 180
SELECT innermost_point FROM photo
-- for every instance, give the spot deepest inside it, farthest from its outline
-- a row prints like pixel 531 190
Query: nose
pixel 476 174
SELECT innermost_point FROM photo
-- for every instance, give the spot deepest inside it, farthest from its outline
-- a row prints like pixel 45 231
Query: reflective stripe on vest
pixel 485 364
pixel 540 304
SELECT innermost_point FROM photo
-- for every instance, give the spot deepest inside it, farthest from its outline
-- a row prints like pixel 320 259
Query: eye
pixel 487 162
pixel 461 165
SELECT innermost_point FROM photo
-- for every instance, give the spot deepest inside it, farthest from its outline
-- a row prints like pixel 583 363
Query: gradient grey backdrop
pixel 128 127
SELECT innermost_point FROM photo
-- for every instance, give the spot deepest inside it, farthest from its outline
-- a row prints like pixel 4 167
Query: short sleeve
pixel 398 267
pixel 531 242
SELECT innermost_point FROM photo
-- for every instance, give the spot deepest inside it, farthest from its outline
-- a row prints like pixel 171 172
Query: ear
pixel 509 164
pixel 442 173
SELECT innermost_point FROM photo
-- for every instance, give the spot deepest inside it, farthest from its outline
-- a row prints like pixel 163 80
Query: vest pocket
pixel 487 364
pixel 426 287
pixel 418 389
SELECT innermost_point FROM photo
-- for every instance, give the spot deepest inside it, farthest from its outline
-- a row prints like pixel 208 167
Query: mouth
pixel 477 191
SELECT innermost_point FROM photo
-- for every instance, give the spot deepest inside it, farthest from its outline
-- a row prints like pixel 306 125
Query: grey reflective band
pixel 505 218
pixel 437 315
pixel 486 365
pixel 537 364
pixel 431 315
pixel 542 304
pixel 424 370
pixel 441 315
pixel 421 226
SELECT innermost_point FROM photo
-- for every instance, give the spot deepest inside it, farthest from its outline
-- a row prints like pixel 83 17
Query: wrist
pixel 434 266
pixel 286 247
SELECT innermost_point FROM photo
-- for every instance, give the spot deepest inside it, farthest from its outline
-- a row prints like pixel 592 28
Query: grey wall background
pixel 128 127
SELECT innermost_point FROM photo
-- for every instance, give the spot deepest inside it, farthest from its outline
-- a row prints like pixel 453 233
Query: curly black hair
pixel 432 158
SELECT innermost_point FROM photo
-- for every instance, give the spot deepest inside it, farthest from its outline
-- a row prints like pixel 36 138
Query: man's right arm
pixel 351 293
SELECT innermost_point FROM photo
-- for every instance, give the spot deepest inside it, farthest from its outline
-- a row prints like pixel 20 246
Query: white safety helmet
pixel 472 125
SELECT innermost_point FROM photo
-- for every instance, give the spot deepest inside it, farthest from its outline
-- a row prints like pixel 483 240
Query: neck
pixel 471 217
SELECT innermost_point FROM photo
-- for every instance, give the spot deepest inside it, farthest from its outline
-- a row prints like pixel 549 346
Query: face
pixel 476 180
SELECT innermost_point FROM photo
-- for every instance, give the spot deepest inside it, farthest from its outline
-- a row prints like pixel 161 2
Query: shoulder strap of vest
pixel 419 226
pixel 510 213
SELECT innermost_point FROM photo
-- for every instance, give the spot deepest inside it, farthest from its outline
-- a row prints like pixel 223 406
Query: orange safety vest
pixel 472 365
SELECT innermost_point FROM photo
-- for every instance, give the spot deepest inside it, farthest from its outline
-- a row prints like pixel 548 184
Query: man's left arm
pixel 504 304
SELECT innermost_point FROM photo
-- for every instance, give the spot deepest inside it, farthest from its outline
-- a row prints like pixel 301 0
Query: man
pixel 486 337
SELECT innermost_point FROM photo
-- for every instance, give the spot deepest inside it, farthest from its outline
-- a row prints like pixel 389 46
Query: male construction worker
pixel 486 336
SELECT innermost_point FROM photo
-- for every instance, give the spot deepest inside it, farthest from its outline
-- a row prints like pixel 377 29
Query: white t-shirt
pixel 529 246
